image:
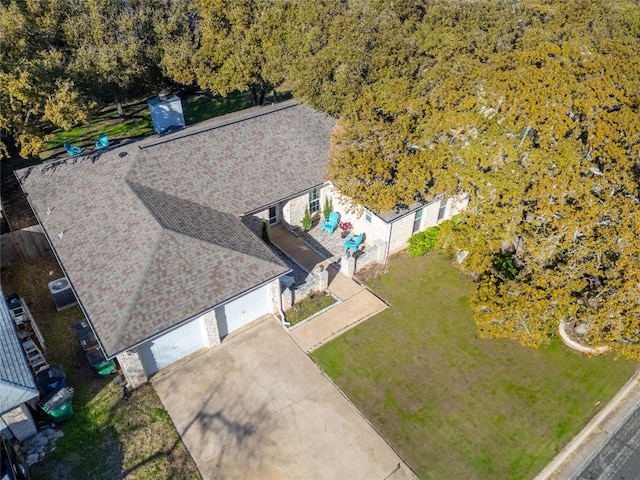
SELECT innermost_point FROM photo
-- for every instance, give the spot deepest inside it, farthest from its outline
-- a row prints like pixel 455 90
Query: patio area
pixel 328 246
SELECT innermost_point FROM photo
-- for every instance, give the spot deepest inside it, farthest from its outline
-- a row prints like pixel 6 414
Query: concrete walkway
pixel 357 303
pixel 257 407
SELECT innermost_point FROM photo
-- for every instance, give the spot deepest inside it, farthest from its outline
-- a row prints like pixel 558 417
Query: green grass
pixel 454 405
pixel 137 121
pixel 309 306
pixel 107 437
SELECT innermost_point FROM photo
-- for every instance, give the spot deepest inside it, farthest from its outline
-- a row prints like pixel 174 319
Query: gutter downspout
pixel 283 321
pixel 386 253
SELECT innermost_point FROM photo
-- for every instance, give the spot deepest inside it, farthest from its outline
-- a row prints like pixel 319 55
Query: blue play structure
pixel 72 150
pixel 103 142
pixel 330 224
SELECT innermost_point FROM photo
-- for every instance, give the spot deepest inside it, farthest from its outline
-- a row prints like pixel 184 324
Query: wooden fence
pixel 25 244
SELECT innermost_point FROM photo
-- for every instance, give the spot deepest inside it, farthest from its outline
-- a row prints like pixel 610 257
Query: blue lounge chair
pixel 72 150
pixel 330 224
pixel 103 142
pixel 352 242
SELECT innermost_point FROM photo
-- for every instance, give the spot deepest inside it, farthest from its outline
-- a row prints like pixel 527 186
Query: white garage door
pixel 243 310
pixel 172 346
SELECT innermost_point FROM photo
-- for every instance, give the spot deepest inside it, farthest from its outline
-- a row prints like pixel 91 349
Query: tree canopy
pixel 534 112
pixel 529 108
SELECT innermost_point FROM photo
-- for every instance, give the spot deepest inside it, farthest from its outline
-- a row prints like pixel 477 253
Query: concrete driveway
pixel 258 407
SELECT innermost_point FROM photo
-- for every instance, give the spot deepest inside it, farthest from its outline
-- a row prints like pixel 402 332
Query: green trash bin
pixel 100 363
pixel 58 405
pixel 105 368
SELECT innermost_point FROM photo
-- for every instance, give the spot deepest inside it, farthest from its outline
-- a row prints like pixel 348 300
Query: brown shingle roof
pixel 240 163
pixel 150 237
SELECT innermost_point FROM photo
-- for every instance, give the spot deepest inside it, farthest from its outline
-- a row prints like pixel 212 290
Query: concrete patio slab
pixel 258 407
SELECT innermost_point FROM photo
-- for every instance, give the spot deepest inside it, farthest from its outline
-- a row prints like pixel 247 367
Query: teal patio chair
pixel 103 142
pixel 72 150
pixel 352 242
pixel 330 224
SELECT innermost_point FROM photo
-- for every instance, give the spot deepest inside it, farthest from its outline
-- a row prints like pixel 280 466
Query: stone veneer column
pixel 287 299
pixel 323 278
pixel 347 265
pixel 132 368
pixel 211 327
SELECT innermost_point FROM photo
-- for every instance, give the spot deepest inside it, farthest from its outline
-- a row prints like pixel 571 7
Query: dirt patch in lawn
pixel 370 272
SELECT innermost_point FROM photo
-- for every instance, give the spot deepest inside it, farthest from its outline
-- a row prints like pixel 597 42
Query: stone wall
pixel 132 368
pixel 211 328
pixel 316 281
pixel 371 254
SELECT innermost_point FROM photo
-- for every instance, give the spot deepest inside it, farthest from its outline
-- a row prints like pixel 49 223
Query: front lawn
pixel 108 437
pixel 454 405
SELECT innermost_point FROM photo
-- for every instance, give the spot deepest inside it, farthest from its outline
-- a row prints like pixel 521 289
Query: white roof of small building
pixel 17 384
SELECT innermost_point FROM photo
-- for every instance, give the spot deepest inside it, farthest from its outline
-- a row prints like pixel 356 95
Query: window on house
pixel 273 215
pixel 443 209
pixel 314 201
pixel 417 221
pixel 367 216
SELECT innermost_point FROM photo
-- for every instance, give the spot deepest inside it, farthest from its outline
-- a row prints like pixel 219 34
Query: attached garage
pixel 162 351
pixel 244 310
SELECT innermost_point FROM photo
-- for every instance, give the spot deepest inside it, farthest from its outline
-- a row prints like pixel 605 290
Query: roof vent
pixel 62 293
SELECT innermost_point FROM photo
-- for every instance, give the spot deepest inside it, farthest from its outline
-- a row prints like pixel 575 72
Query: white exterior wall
pixel 292 211
pixel 376 230
pixel 403 227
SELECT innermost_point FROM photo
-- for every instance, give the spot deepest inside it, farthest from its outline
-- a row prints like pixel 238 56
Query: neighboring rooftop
pixel 149 234
pixel 16 381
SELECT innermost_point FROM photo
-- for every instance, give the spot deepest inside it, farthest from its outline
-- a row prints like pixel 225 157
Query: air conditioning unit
pixel 62 293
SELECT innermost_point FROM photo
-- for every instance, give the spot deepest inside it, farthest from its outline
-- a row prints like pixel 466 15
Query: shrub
pixel 503 263
pixel 423 242
pixel 265 232
pixel 326 211
pixel 306 220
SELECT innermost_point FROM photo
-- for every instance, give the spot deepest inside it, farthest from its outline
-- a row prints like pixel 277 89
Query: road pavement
pixel 609 439
pixel 620 456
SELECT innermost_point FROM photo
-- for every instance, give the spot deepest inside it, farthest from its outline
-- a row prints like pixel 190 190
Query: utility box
pixel 62 293
pixel 166 112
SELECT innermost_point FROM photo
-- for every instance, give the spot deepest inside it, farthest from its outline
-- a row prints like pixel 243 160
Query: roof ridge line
pixel 241 118
pixel 134 298
pixel 225 247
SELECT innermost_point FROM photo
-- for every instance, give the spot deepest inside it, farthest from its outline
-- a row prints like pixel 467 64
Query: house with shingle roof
pixel 157 238
pixel 160 238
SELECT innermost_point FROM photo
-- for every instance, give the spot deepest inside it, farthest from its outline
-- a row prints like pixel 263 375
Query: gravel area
pixel 329 246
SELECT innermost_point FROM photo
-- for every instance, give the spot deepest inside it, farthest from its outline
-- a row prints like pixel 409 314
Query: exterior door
pixel 244 310
pixel 273 215
pixel 172 346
